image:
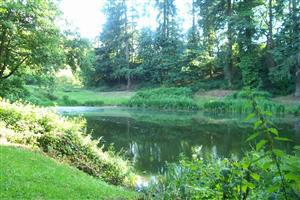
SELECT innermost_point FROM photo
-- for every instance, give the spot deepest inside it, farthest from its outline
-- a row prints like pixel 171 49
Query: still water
pixel 150 139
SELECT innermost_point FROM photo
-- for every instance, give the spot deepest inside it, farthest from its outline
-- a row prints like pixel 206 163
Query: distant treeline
pixel 245 43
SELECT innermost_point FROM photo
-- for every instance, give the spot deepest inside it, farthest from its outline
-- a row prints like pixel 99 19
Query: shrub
pixel 212 178
pixel 61 138
pixel 13 89
pixel 94 103
pixel 69 102
pixel 242 106
pixel 208 85
pixel 295 110
pixel 164 98
pixel 243 94
pixel 264 173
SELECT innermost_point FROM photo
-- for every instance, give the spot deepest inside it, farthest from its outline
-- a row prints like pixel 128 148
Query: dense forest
pixel 231 44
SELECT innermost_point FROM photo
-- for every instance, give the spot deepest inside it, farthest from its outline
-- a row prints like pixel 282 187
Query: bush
pixel 297 110
pixel 245 95
pixel 61 138
pixel 13 89
pixel 164 98
pixel 94 103
pixel 213 178
pixel 208 85
pixel 69 102
pixel 242 106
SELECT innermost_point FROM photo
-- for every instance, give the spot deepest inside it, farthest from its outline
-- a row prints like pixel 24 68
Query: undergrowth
pixel 242 106
pixel 164 98
pixel 61 138
pixel 263 173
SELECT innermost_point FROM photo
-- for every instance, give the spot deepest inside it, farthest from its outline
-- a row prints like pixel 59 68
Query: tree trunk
pixel 270 26
pixel 165 21
pixel 194 24
pixel 297 92
pixel 229 64
pixel 127 49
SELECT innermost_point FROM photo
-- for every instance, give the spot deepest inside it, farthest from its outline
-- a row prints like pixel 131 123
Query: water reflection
pixel 151 138
pixel 150 145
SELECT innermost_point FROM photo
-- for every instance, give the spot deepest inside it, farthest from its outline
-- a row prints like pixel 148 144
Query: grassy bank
pixel 224 101
pixel 164 98
pixel 63 139
pixel 63 96
pixel 31 175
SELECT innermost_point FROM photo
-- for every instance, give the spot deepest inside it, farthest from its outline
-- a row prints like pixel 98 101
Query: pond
pixel 150 139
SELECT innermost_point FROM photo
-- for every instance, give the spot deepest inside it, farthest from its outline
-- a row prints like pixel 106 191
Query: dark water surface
pixel 151 138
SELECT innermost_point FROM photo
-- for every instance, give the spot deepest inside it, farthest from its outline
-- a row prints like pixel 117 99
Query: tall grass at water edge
pixel 164 98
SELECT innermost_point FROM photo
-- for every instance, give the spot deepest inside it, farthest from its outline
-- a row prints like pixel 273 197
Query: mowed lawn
pixel 80 95
pixel 30 175
pixel 109 98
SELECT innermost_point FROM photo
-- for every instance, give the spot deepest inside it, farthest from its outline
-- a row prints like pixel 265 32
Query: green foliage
pixel 48 179
pixel 94 103
pixel 263 173
pixel 69 102
pixel 211 178
pixel 164 98
pixel 239 103
pixel 30 40
pixel 13 89
pixel 297 110
pixel 61 138
pixel 243 94
pixel 207 85
pixel 242 106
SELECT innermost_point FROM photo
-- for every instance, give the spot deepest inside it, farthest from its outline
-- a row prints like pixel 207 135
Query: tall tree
pixel 168 41
pixel 248 50
pixel 208 10
pixel 111 65
pixel 28 36
pixel 228 70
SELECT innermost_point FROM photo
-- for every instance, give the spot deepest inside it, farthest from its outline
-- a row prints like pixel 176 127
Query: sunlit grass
pixel 79 96
pixel 31 175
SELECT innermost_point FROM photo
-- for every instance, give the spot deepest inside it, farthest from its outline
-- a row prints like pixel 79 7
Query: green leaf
pixel 291 176
pixel 273 130
pixel 282 139
pixel 268 113
pixel 250 116
pixel 245 165
pixel 273 188
pixel 260 144
pixel 257 124
pixel 278 152
pixel 244 188
pixel 250 185
pixel 267 165
pixel 253 136
pixel 255 176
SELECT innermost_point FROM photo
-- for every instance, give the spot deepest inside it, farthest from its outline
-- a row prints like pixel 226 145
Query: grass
pixel 31 175
pixel 77 97
pixel 164 98
pixel 64 139
pixel 226 101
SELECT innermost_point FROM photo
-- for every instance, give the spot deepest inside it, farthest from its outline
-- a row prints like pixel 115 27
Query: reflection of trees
pixel 149 145
pixel 297 131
